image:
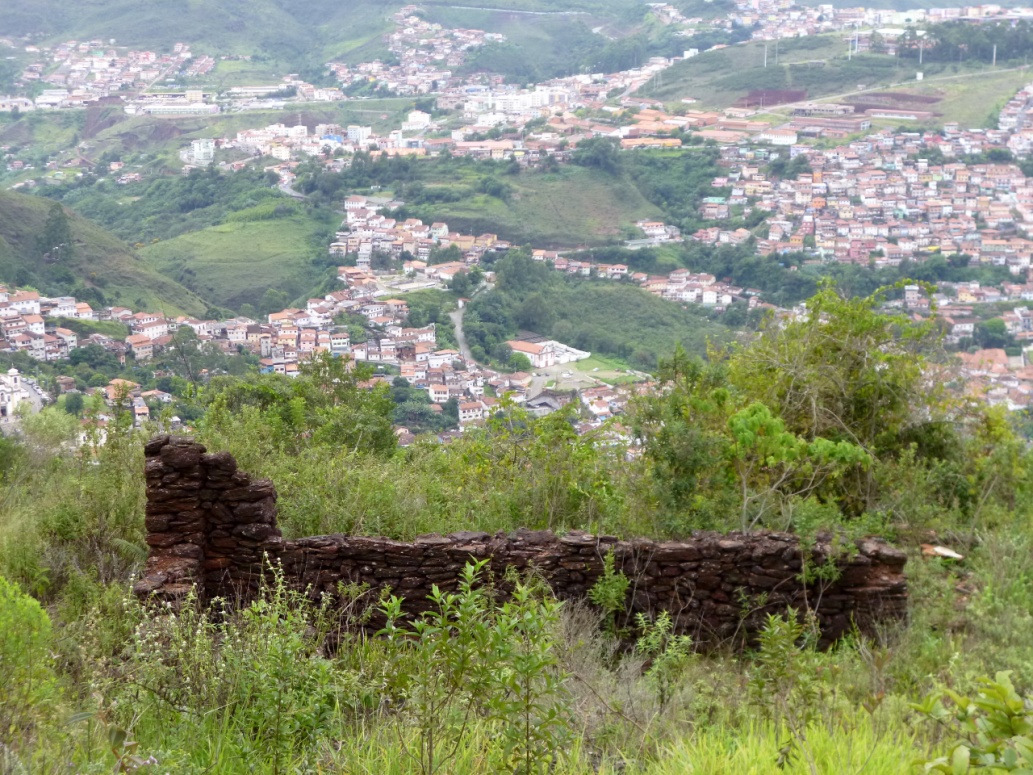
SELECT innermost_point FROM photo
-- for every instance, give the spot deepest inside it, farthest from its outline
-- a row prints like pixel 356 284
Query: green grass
pixel 239 72
pixel 755 750
pixel 817 65
pixel 611 370
pixel 86 327
pixel 575 206
pixel 235 262
pixel 969 96
pixel 100 260
pixel 973 101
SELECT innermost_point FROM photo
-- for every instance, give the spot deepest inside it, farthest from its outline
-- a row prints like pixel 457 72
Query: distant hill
pixel 101 268
pixel 296 33
pixel 285 30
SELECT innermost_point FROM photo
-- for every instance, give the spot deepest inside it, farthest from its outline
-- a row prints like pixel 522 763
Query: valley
pixel 600 387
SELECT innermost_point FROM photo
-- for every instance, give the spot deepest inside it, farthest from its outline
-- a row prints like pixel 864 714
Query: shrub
pixel 470 658
pixel 995 728
pixel 29 684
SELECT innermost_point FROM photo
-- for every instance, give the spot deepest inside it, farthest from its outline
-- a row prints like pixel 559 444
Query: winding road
pixel 456 316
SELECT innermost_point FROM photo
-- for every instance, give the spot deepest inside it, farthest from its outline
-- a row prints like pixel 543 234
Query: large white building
pixel 12 393
pixel 202 150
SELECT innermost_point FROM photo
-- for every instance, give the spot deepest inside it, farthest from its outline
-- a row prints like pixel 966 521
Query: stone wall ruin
pixel 213 528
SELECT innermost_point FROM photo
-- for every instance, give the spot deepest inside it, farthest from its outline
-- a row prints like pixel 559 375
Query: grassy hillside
pixel 100 261
pixel 575 206
pixel 817 65
pixel 536 46
pixel 612 319
pixel 236 262
pixel 970 97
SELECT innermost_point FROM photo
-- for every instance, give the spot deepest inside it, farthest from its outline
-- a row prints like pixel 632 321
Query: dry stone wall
pixel 212 526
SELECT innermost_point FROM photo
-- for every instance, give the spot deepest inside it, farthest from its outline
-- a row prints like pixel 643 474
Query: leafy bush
pixel 995 726
pixel 29 682
pixel 469 657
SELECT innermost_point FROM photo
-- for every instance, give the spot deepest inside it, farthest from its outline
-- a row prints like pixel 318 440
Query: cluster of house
pixel 778 19
pixel 490 103
pixel 288 337
pixel 366 230
pixel 880 199
pixel 23 326
pixel 1016 118
pixel 293 335
pixel 426 55
pixel 369 232
pixel 994 377
pixel 290 142
pixel 80 73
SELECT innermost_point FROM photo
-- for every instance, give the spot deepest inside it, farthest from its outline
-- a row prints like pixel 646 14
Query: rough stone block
pixel 208 521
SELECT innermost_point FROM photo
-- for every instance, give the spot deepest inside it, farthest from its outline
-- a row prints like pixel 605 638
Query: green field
pixel 575 206
pixel 99 261
pixel 239 72
pixel 610 370
pixel 970 97
pixel 235 263
pixel 973 101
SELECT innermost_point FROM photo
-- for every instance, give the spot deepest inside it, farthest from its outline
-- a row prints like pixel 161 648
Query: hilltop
pixel 284 30
pixel 101 267
pixel 300 35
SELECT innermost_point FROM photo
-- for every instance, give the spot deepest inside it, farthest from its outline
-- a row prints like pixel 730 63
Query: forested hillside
pixel 597 315
pixel 48 247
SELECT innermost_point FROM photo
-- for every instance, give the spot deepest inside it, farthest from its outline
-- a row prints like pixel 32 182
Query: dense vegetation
pixel 227 237
pixel 602 316
pixel 962 42
pixel 166 207
pixel 837 421
pixel 58 252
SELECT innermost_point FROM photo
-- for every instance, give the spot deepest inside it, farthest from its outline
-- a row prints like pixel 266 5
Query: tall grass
pixel 106 685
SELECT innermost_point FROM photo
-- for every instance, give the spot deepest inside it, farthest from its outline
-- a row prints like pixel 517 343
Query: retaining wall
pixel 213 526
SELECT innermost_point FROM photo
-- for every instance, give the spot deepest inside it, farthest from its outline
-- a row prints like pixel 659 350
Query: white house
pixel 541 355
